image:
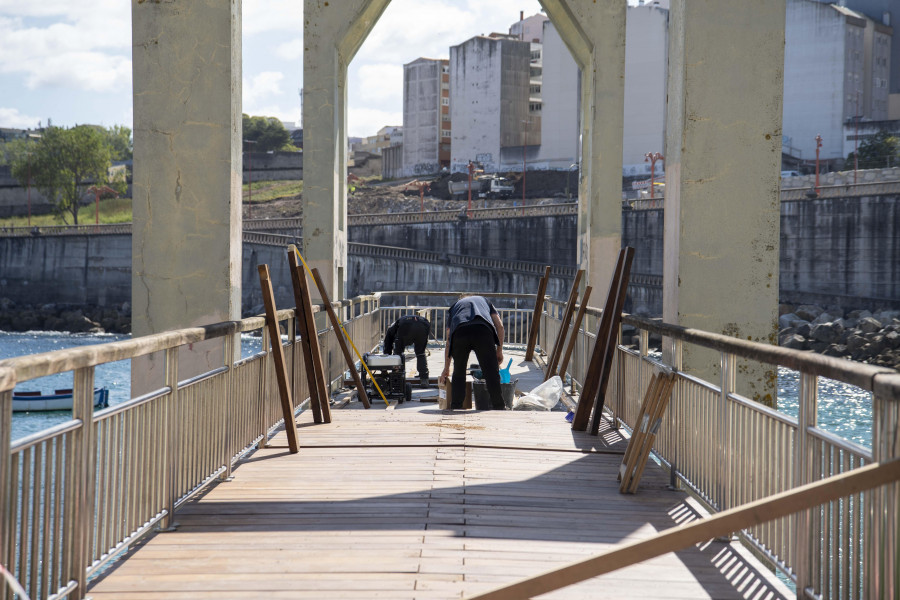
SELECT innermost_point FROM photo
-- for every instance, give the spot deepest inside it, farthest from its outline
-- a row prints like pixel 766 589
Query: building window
pixel 445 101
pixel 534 107
pixel 445 117
pixel 445 133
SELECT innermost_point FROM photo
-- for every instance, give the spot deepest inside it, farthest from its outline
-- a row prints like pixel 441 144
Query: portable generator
pixel 389 372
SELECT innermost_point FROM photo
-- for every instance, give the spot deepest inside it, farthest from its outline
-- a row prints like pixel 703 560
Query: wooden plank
pixel 338 331
pixel 575 327
pixel 284 389
pixel 536 315
pixel 592 377
pixel 555 355
pixel 741 517
pixel 309 342
pixel 652 408
pixel 609 348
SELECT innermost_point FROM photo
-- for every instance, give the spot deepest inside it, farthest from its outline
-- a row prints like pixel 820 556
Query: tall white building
pixel 836 69
pixel 646 48
pixel 426 116
pixel 530 29
pixel 489 102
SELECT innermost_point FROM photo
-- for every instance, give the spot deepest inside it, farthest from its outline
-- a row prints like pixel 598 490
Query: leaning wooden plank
pixel 303 327
pixel 575 327
pixel 628 458
pixel 671 540
pixel 536 316
pixel 555 355
pixel 284 390
pixel 609 348
pixel 338 331
pixel 654 421
pixel 592 377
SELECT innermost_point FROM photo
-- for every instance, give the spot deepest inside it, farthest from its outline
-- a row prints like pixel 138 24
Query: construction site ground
pixel 281 199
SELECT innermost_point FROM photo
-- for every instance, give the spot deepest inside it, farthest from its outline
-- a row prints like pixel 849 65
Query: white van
pixel 790 173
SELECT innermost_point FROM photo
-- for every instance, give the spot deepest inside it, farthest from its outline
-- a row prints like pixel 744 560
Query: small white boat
pixel 60 400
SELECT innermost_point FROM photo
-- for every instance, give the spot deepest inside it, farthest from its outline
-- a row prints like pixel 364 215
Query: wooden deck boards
pixel 415 502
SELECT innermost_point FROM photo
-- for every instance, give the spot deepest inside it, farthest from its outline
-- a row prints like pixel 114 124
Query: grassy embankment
pixel 118 210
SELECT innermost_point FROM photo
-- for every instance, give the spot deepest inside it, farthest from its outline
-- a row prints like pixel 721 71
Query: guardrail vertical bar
pixel 727 385
pixel 7 383
pixel 807 396
pixel 263 385
pixel 173 437
pixel 228 434
pixel 83 469
pixel 676 356
pixel 882 560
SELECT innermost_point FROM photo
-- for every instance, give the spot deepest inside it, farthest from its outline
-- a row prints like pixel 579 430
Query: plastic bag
pixel 543 397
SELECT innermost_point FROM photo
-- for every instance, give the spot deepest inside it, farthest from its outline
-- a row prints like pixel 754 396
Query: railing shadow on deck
pixel 75 496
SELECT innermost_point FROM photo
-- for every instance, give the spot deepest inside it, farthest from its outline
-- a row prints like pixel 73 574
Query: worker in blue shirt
pixel 474 325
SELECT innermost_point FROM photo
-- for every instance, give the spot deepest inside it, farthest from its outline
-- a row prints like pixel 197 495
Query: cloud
pixel 379 82
pixel 88 52
pixel 291 50
pixel 262 87
pixel 261 16
pixel 11 117
pixel 362 122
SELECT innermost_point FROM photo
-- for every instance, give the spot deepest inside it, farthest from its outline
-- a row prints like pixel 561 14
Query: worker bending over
pixel 474 324
pixel 405 331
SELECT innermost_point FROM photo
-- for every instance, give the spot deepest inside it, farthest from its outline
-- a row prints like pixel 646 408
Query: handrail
pixel 728 450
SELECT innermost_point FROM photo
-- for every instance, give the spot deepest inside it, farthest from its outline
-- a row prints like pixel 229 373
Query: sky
pixel 70 60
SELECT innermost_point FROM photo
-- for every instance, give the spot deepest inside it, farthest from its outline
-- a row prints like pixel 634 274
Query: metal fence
pixel 75 496
pixel 730 450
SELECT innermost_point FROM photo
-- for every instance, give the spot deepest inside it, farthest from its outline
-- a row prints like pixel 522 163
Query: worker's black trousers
pixel 480 338
pixel 417 337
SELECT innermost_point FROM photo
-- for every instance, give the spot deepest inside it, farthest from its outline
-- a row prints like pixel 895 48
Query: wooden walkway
pixel 415 502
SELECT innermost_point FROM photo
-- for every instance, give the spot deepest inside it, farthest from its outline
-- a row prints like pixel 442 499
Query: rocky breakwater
pixel 64 317
pixel 860 335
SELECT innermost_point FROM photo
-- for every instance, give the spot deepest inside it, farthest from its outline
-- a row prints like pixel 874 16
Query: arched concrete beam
pixel 594 31
pixel 723 155
pixel 332 34
pixel 186 258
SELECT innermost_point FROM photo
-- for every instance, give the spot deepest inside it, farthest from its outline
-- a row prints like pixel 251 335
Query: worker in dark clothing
pixel 474 324
pixel 410 330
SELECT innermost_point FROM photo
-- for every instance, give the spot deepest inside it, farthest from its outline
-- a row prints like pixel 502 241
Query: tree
pixel 118 138
pixel 63 164
pixel 881 150
pixel 268 133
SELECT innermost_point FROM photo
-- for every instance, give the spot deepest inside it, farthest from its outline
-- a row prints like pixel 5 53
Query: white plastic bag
pixel 543 397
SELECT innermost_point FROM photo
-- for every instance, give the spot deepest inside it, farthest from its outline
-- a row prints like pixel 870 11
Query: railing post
pixel 727 385
pixel 173 439
pixel 807 396
pixel 7 383
pixel 228 434
pixel 263 388
pixel 676 406
pixel 83 469
pixel 882 523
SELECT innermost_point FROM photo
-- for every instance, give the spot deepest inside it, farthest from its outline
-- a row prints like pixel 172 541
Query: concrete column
pixel 723 154
pixel 594 31
pixel 332 34
pixel 186 264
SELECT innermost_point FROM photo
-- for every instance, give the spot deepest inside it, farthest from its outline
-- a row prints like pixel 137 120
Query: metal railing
pixel 730 450
pixel 880 188
pixel 75 496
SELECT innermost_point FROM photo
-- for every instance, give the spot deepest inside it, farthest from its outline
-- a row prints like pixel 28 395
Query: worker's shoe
pixel 423 380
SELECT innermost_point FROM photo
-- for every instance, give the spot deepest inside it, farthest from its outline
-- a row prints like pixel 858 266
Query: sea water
pixel 116 376
pixel 844 410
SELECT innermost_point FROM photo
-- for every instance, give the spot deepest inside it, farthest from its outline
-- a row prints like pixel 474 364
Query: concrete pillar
pixel 332 34
pixel 186 265
pixel 723 154
pixel 594 31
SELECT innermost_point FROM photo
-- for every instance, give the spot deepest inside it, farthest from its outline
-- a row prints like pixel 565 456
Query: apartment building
pixel 426 116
